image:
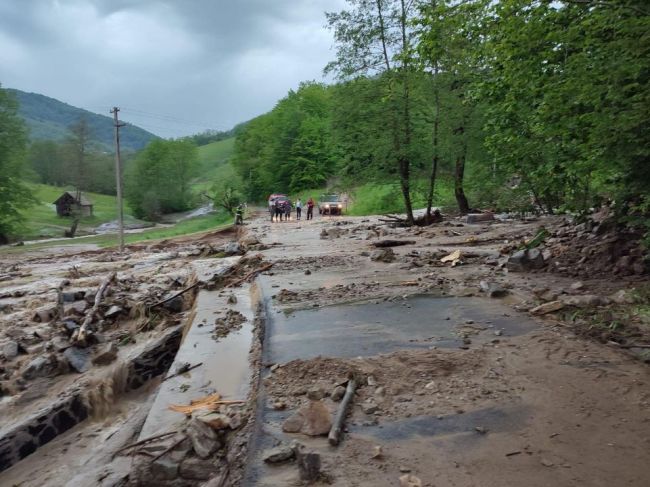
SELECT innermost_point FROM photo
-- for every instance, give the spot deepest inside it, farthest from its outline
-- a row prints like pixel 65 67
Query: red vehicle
pixel 272 199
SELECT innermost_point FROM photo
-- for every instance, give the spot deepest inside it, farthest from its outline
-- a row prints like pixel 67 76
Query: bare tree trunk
pixel 405 162
pixel 461 199
pixel 382 34
pixel 434 162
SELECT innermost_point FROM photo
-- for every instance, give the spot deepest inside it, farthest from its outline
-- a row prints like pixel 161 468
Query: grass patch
pixel 186 227
pixel 380 198
pixel 41 220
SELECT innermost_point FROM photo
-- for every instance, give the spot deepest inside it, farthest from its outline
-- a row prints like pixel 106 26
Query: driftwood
pixel 250 275
pixel 59 300
pixel 180 372
pixel 81 334
pixel 146 440
pixel 180 293
pixel 169 448
pixel 392 243
pixel 337 427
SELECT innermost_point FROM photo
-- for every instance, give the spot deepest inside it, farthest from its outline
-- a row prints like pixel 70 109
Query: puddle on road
pixel 368 329
pixel 494 420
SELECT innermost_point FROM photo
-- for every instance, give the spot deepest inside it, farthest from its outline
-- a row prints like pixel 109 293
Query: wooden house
pixel 67 204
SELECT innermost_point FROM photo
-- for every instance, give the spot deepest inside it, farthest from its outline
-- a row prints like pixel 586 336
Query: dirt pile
pixel 594 249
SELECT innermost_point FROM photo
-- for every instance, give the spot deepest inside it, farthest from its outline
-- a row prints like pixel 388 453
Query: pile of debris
pixel 201 449
pixel 597 247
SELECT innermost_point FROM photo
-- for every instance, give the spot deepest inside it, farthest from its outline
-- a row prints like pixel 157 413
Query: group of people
pixel 280 209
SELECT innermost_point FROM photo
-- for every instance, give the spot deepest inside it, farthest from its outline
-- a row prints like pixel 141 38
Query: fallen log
pixel 184 370
pixel 251 274
pixel 392 243
pixel 146 440
pixel 334 436
pixel 80 336
pixel 180 293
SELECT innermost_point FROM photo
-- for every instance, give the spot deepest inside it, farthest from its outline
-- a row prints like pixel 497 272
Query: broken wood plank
pixel 334 436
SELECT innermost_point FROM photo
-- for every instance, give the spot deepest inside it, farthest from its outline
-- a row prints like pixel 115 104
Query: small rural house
pixel 67 203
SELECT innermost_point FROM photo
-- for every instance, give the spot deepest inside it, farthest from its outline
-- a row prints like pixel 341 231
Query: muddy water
pixel 225 366
pixel 367 329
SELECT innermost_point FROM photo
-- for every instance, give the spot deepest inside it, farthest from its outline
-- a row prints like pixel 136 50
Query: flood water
pixel 367 329
pixel 225 365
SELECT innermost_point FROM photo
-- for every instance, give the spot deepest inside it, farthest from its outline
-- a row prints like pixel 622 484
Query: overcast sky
pixel 176 67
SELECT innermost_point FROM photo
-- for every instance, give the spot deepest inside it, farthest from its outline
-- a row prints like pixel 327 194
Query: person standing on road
pixel 310 208
pixel 298 209
pixel 278 210
pixel 287 210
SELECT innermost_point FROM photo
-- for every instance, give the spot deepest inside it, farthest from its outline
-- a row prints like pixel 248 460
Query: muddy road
pixel 474 365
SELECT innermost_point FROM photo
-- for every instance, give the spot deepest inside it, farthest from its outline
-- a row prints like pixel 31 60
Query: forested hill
pixel 49 119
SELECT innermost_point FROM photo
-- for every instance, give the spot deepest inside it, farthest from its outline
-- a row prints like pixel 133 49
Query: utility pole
pixel 118 175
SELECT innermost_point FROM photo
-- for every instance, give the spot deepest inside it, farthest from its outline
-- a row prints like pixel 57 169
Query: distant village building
pixel 67 204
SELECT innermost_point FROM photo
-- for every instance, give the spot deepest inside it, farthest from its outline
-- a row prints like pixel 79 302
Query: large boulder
pixel 525 260
pixel 383 255
pixel 312 419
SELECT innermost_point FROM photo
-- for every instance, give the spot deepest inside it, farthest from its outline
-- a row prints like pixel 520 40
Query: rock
pixel 371 381
pixel 204 440
pixel 331 233
pixel 279 405
pixel 232 299
pixel 383 255
pixel 197 469
pixel 409 480
pixel 546 308
pixel 524 260
pixel 250 240
pixel 377 452
pixel 60 343
pixel 308 464
pixel 369 407
pixel 278 454
pixel 174 305
pixel 77 308
pixel 113 312
pixel 106 355
pixel 479 217
pixel 316 393
pixel 493 290
pixel 312 419
pixel 233 248
pixel 577 285
pixel 338 393
pixel 308 272
pixel 78 358
pixel 380 391
pixel 44 315
pixel 216 421
pixel 585 300
pixel 10 350
pixel 622 297
pixel 70 325
pixel 164 468
pixel 42 366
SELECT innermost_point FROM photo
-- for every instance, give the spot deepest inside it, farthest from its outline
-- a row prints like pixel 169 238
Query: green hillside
pixel 214 159
pixel 49 119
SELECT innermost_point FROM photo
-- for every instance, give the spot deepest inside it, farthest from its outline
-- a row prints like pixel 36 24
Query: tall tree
pixel 78 145
pixel 14 194
pixel 375 37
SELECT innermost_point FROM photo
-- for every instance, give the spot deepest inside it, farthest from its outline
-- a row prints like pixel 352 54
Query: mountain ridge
pixel 48 119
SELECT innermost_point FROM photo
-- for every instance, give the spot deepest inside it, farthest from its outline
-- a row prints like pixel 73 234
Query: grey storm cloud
pixel 176 67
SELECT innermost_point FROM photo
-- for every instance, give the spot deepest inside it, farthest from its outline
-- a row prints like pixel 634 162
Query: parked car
pixel 272 199
pixel 330 204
